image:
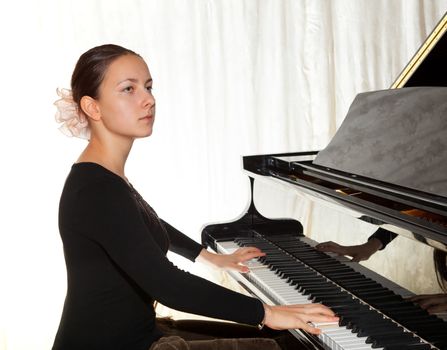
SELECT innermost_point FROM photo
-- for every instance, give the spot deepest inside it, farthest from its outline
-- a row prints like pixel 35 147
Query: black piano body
pixel 415 214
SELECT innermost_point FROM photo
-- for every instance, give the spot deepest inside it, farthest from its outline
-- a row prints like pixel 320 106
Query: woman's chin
pixel 147 133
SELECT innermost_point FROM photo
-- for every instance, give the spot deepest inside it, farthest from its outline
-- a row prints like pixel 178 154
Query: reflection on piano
pixel 373 311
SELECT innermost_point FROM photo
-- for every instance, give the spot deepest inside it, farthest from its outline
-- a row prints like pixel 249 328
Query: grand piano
pixel 373 311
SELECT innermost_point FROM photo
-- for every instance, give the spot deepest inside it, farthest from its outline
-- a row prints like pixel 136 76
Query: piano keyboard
pixel 371 316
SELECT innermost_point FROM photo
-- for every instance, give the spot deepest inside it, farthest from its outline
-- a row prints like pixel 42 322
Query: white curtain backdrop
pixel 231 78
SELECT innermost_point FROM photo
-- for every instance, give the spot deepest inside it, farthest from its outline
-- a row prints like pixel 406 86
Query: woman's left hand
pixel 433 303
pixel 233 261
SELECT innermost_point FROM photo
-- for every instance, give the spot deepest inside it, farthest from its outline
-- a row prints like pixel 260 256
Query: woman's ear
pixel 90 108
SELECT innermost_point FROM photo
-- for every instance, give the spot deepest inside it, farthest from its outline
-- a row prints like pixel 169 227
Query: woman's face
pixel 125 102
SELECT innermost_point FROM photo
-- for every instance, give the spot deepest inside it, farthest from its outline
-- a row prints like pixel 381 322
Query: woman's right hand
pixel 298 316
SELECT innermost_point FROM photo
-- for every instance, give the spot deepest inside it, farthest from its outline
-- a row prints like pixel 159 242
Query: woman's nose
pixel 148 99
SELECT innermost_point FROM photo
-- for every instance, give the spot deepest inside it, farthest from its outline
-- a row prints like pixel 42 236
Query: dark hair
pixel 91 67
pixel 440 258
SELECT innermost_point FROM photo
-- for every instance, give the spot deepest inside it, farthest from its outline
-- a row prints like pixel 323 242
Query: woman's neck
pixel 110 155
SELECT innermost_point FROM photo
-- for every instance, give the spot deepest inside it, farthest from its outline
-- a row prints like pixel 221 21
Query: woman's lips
pixel 148 117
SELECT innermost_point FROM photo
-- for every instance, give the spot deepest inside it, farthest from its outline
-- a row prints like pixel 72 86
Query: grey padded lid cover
pixel 397 136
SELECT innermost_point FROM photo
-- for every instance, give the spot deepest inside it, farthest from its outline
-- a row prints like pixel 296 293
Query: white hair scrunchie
pixel 74 122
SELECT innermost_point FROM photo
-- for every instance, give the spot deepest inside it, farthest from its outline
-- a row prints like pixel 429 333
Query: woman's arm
pixel 182 244
pixel 190 249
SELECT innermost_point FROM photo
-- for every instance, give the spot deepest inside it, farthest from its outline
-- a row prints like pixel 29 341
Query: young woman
pixel 115 244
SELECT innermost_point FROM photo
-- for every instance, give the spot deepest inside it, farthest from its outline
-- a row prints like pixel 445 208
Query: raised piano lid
pixel 412 213
pixel 428 64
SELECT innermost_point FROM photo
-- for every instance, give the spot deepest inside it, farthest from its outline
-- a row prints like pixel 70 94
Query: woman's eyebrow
pixel 134 80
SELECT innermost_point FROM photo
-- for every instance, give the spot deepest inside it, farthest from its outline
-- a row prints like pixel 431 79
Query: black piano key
pixel 383 299
pixel 360 318
pixel 371 330
pixel 379 341
pixel 382 303
pixel 439 339
pixel 271 259
pixel 311 281
pixel 357 289
pixel 368 293
pixel 400 307
pixel 351 278
pixel 326 299
pixel 285 265
pixel 286 268
pixel 357 282
pixel 354 307
pixel 414 319
pixel 296 276
pixel 335 268
pixel 350 309
pixel 320 294
pixel 431 332
pixel 420 346
pixel 296 268
pixel 327 287
pixel 369 322
pixel 404 307
pixel 381 332
pixel 367 317
pixel 329 291
pixel 332 304
pixel 296 273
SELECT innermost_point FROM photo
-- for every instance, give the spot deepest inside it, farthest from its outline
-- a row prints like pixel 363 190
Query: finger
pixel 437 308
pixel 310 329
pixel 419 297
pixel 334 248
pixel 424 304
pixel 249 249
pixel 240 268
pixel 249 258
pixel 325 245
pixel 248 254
pixel 321 318
pixel 431 301
pixel 243 269
pixel 300 306
pixel 316 309
pixel 356 258
pixel 308 309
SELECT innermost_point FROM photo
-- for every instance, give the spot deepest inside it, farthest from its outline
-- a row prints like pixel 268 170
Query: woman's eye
pixel 128 89
pixel 149 88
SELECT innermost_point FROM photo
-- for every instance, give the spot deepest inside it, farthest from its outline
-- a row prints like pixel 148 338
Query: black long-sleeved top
pixel 115 251
pixel 384 236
